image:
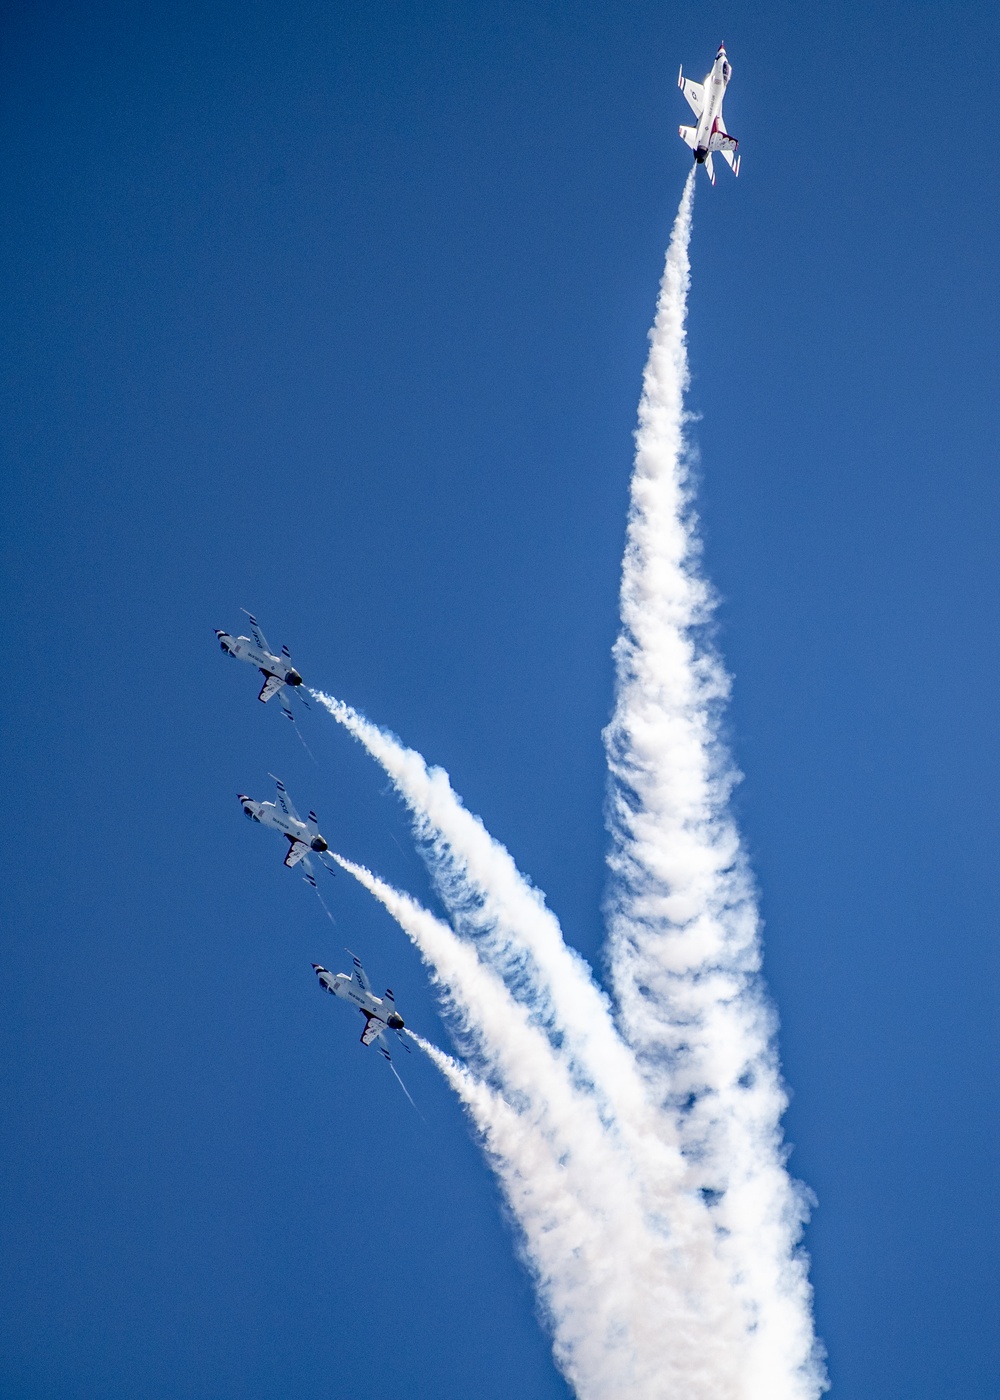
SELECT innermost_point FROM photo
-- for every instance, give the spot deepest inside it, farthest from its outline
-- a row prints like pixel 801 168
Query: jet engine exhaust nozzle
pixel 293 678
pixel 318 844
pixel 396 1022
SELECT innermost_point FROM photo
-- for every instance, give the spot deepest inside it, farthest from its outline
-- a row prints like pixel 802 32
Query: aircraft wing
pixel 362 977
pixel 694 92
pixel 284 801
pixel 727 147
pixel 270 687
pixel 296 851
pixel 373 1029
pixel 256 633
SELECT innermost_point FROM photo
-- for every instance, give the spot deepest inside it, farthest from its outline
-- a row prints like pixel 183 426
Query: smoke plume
pixel 637 1140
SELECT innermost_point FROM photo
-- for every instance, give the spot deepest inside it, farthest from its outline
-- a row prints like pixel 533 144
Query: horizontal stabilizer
pixel 688 135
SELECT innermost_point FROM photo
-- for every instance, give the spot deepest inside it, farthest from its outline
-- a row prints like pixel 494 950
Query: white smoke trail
pixel 683 925
pixel 625 1305
pixel 724 1307
pixel 492 902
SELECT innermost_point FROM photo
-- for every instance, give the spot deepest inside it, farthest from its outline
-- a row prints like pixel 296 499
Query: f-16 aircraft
pixel 705 101
pixel 278 671
pixel 379 1012
pixel 302 836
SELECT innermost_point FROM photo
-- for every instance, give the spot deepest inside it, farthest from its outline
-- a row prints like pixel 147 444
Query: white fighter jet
pixel 379 1012
pixel 705 100
pixel 302 836
pixel 278 671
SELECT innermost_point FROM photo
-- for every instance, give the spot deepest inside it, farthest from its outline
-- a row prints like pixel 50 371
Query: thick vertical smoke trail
pixel 683 925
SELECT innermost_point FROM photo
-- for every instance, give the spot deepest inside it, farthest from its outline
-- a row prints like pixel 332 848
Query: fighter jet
pixel 705 100
pixel 379 1012
pixel 302 836
pixel 278 671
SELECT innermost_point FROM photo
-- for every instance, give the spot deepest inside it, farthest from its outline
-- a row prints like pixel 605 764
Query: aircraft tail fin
pixel 710 168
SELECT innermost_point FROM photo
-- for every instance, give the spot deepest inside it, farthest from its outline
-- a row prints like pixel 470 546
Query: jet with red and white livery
pixel 710 136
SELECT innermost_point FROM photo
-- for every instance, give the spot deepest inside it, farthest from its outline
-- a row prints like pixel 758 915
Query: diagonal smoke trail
pixel 492 902
pixel 683 924
pixel 624 1303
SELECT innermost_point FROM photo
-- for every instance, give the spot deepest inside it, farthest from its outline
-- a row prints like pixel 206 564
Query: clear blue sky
pixel 339 313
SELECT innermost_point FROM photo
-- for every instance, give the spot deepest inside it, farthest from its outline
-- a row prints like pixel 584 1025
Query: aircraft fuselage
pixel 269 814
pixel 347 987
pixel 715 91
pixel 268 664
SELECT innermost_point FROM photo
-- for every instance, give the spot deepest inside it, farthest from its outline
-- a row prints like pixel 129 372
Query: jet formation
pixel 710 136
pixel 305 841
pixel 706 139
